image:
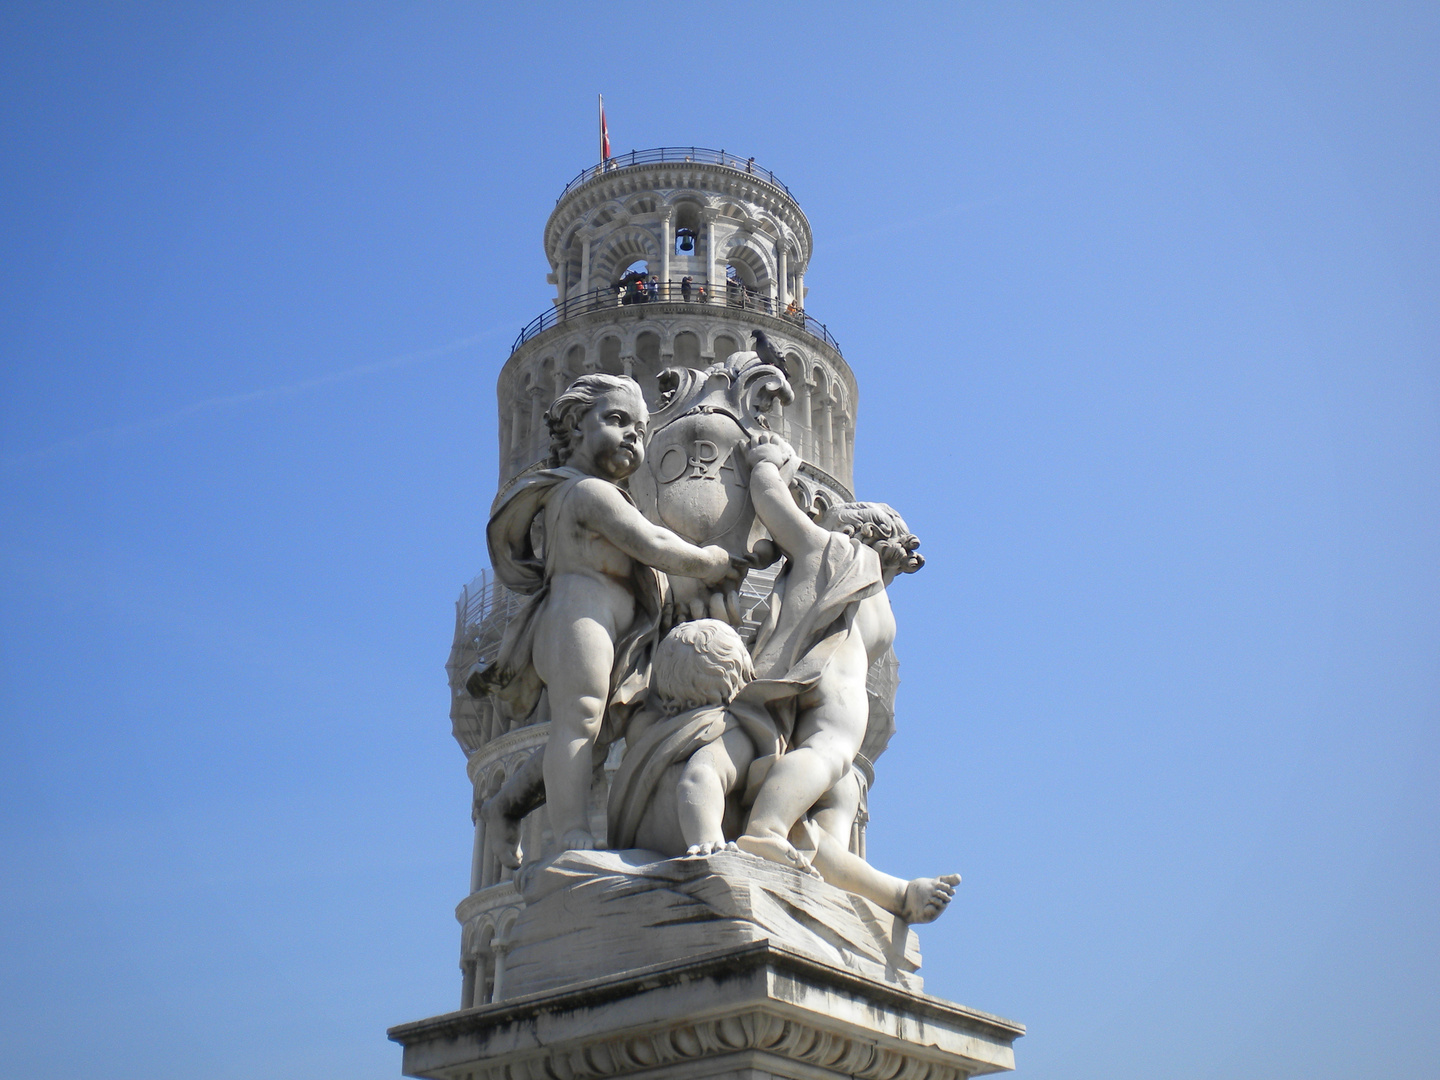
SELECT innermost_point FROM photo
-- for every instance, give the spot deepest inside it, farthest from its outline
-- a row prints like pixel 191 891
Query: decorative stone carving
pixel 756 1011
pixel 695 480
pixel 590 914
pixel 580 646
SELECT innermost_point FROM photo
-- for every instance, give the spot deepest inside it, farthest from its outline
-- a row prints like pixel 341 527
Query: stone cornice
pixel 759 1000
pixel 521 738
pixel 771 324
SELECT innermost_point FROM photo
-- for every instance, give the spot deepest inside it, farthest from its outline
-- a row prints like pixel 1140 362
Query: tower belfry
pixel 675 257
pixel 683 269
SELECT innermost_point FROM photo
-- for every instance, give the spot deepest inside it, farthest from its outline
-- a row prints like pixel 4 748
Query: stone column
pixel 517 436
pixel 584 265
pixel 667 246
pixel 564 283
pixel 800 289
pixel 497 991
pixel 710 257
pixel 467 985
pixel 807 435
pixel 477 855
pixel 827 436
pixel 783 258
pixel 537 416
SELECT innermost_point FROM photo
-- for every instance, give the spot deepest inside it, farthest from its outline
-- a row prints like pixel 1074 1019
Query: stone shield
pixel 695 480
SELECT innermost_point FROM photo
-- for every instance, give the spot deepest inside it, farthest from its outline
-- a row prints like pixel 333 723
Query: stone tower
pixel 660 258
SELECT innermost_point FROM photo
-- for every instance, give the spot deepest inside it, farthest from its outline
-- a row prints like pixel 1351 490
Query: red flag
pixel 604 133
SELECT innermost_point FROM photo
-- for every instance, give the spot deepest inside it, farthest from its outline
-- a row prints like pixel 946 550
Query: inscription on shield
pixel 696 483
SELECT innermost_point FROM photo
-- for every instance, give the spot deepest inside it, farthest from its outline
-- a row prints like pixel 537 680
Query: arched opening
pixel 689 231
pixel 748 279
pixel 610 356
pixel 687 349
pixel 574 365
pixel 647 349
pixel 724 346
pixel 647 362
pixel 636 284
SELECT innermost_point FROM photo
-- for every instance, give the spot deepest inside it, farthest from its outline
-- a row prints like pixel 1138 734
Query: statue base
pixel 591 914
pixel 751 1012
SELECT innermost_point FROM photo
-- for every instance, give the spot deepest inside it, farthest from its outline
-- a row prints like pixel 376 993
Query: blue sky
pixel 1142 304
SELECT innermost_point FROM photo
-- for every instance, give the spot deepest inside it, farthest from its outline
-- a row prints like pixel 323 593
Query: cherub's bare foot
pixel 926 898
pixel 707 847
pixel 577 840
pixel 777 850
pixel 503 832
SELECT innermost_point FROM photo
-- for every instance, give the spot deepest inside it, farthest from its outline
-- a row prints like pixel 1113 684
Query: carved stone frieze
pixel 758 1011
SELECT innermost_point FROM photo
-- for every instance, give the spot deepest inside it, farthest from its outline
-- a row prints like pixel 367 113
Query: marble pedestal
pixel 754 1011
pixel 628 964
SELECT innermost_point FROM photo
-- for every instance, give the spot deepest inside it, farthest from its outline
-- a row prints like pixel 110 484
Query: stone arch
pixel 647 348
pixel 772 226
pixel 619 249
pixel 737 212
pixel 687 349
pixel 574 362
pixel 646 202
pixel 746 256
pixel 607 356
pixel 506 924
pixel 723 345
pixel 604 214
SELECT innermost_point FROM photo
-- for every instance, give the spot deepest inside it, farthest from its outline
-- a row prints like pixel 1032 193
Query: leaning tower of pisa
pixel 660 258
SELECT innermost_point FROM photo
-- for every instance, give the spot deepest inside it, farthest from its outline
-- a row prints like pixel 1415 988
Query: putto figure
pixel 681 784
pixel 829 620
pixel 595 596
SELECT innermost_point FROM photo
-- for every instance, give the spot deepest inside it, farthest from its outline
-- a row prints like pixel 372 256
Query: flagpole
pixel 600 119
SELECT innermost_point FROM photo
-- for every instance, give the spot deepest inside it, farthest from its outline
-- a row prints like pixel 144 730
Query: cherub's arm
pixel 770 459
pixel 601 507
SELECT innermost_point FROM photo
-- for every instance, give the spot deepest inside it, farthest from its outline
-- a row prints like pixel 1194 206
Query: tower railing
pixel 678 154
pixel 725 294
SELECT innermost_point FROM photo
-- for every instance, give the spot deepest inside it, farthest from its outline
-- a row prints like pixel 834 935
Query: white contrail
pixel 80 442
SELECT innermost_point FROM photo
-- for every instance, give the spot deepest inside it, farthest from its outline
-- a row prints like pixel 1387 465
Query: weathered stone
pixel 593 914
pixel 756 1011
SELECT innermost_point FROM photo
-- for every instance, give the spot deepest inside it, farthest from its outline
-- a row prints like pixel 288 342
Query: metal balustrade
pixel 679 155
pixel 726 294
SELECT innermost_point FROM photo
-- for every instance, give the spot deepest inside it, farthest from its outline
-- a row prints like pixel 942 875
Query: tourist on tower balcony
pixel 685 288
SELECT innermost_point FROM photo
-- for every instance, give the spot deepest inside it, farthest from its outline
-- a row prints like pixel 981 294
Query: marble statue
pixel 684 781
pixel 595 595
pixel 727 749
pixel 695 479
pixel 829 620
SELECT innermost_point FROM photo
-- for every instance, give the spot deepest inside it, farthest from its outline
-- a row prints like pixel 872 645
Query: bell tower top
pixel 683 212
pixel 677 258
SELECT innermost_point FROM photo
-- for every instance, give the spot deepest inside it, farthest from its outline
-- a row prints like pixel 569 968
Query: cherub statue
pixel 680 786
pixel 595 596
pixel 829 620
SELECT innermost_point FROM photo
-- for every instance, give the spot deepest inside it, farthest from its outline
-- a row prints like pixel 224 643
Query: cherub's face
pixel 611 436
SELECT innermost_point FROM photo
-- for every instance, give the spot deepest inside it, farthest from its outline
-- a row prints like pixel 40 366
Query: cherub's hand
pixel 718 565
pixel 767 446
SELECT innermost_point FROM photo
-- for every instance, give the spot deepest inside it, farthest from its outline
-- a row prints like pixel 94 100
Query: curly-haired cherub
pixel 829 620
pixel 594 595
